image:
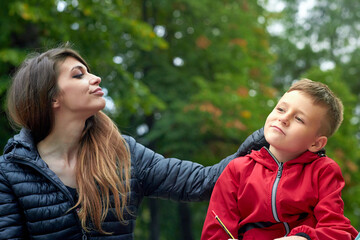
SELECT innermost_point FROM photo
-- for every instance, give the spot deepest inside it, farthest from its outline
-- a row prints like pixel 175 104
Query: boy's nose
pixel 284 119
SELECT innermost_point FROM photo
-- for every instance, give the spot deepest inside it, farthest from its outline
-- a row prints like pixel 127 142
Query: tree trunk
pixel 154 224
pixel 185 221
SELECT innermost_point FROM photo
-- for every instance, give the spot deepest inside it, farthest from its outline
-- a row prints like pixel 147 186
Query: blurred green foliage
pixel 192 79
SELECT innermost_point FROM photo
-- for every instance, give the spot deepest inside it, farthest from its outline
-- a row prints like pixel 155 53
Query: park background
pixel 193 78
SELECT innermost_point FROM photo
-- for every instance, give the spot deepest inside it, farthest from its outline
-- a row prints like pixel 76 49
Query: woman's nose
pixel 95 80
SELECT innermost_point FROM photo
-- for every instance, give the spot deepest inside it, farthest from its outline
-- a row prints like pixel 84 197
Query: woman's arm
pixel 181 180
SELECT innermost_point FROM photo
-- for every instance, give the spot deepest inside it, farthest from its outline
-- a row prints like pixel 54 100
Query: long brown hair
pixel 103 161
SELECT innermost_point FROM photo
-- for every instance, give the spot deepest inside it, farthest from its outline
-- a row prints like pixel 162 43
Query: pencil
pixel 223 225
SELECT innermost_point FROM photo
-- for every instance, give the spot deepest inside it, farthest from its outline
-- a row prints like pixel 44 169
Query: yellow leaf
pixel 246 114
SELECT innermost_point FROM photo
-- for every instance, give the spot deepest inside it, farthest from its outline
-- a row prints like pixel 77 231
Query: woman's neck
pixel 60 150
pixel 62 143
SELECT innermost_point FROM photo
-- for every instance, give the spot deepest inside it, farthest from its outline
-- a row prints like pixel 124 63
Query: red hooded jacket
pixel 257 197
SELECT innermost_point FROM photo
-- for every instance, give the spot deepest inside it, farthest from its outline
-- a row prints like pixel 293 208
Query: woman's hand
pixel 291 238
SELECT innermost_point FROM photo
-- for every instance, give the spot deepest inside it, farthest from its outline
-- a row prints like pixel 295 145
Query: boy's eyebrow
pixel 281 102
pixel 286 105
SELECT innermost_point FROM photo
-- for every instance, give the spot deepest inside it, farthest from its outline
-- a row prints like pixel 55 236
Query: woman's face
pixel 80 94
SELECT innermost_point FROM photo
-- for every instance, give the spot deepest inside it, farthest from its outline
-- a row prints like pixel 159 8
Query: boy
pixel 290 190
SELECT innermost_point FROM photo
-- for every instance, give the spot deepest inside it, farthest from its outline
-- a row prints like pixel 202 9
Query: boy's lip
pixel 277 128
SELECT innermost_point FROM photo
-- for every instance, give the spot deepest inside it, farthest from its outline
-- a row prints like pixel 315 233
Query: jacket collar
pixel 22 147
pixel 263 156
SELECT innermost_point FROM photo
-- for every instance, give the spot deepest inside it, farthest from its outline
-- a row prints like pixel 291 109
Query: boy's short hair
pixel 323 96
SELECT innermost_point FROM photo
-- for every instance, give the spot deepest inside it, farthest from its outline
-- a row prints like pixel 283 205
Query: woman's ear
pixel 319 144
pixel 55 103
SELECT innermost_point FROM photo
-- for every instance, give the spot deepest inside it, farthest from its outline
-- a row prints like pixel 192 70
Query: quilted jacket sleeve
pixel 11 220
pixel 181 180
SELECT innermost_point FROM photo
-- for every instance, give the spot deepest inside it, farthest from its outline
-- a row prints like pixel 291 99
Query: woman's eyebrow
pixel 77 67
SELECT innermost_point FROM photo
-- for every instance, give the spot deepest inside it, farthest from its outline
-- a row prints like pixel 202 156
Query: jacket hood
pixel 21 146
pixel 263 155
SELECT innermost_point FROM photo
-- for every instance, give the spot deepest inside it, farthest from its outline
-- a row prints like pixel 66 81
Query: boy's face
pixel 294 125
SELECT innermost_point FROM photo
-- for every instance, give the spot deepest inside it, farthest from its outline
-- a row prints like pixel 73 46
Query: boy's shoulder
pixel 247 157
pixel 327 162
pixel 242 161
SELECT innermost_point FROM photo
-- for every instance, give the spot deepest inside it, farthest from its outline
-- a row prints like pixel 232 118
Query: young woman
pixel 69 173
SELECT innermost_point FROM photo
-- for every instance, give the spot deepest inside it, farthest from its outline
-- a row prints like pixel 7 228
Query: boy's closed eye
pixel 280 109
pixel 299 119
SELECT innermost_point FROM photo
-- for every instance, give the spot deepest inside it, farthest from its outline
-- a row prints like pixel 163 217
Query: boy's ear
pixel 319 143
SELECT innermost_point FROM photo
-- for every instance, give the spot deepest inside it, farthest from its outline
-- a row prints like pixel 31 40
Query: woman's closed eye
pixel 78 72
pixel 78 76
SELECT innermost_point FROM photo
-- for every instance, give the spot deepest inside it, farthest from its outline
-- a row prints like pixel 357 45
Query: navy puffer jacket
pixel 34 203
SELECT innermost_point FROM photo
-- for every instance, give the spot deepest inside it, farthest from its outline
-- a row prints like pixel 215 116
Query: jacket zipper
pixel 84 236
pixel 274 191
